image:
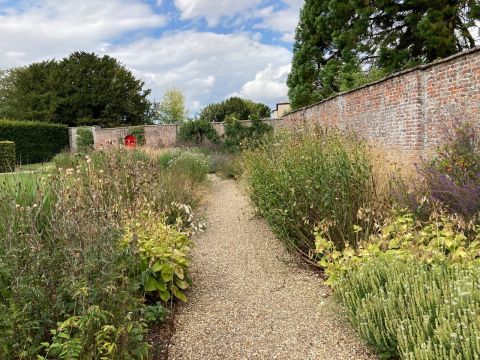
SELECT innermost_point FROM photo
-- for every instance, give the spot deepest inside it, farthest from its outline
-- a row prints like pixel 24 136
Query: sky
pixel 210 49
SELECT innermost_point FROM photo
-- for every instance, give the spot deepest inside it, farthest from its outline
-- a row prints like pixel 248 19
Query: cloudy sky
pixel 210 49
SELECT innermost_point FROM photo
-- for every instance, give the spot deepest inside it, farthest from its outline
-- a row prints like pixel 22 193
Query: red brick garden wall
pixel 409 111
pixel 156 136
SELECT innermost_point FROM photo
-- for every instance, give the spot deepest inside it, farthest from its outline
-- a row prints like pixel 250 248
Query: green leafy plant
pixel 139 133
pixel 440 240
pixel 197 131
pixel 7 156
pixel 85 139
pixel 238 135
pixel 163 251
pixel 154 313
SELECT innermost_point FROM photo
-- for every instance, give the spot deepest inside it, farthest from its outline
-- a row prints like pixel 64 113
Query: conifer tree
pixel 344 43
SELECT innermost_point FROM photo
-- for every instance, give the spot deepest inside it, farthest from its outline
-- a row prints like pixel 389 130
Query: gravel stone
pixel 250 299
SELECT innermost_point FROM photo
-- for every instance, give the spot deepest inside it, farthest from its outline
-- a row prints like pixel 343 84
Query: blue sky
pixel 209 49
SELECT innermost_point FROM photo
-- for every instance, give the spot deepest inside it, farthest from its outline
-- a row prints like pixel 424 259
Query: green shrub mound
pixel 7 156
pixel 238 135
pixel 85 139
pixel 35 142
pixel 415 311
pixel 197 131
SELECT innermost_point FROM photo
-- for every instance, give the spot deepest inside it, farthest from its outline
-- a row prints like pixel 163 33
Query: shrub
pixel 415 311
pixel 302 181
pixel 196 131
pixel 7 156
pixel 35 142
pixel 187 161
pixel 237 134
pixel 85 139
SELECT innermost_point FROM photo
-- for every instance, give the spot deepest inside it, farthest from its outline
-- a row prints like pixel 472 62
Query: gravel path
pixel 250 300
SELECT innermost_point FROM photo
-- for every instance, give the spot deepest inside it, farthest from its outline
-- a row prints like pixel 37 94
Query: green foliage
pixel 85 139
pixel 340 45
pixel 302 181
pixel 35 142
pixel 237 134
pixel 69 288
pixel 196 131
pixel 186 161
pixel 171 109
pixel 139 133
pixel 237 107
pixel 92 335
pixel 441 240
pixel 154 313
pixel 415 311
pixel 7 156
pixel 82 89
pixel 163 251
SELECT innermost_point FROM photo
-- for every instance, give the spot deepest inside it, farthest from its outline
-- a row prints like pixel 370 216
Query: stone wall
pixel 156 136
pixel 410 110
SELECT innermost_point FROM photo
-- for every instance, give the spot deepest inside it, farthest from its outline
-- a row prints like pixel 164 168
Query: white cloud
pixel 269 85
pixel 284 21
pixel 234 12
pixel 52 28
pixel 213 11
pixel 206 66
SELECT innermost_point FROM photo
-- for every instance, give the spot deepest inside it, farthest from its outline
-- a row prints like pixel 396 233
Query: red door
pixel 130 141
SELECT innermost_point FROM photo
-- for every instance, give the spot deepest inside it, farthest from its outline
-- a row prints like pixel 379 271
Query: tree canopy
pixel 343 44
pixel 171 109
pixel 237 107
pixel 82 89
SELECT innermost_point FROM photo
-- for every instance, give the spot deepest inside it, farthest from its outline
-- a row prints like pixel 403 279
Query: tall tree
pixel 78 90
pixel 172 108
pixel 241 109
pixel 345 43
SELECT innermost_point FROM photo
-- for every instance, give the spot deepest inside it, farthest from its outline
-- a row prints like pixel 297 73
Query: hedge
pixel 7 156
pixel 35 141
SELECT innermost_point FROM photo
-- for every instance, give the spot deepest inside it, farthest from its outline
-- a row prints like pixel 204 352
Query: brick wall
pixel 156 136
pixel 160 136
pixel 409 110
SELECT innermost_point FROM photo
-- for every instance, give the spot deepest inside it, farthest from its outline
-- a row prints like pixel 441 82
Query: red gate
pixel 130 141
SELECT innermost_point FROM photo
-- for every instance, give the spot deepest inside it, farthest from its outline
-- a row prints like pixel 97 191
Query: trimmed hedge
pixel 35 141
pixel 7 156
